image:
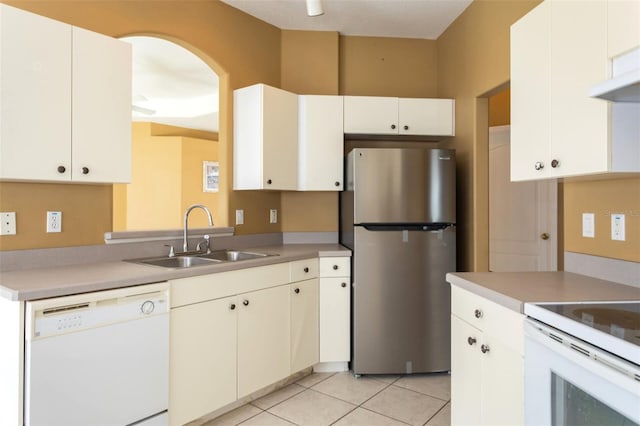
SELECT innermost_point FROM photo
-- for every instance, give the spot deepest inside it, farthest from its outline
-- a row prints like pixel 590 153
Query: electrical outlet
pixel 239 217
pixel 588 225
pixel 7 223
pixel 273 216
pixel 54 221
pixel 617 227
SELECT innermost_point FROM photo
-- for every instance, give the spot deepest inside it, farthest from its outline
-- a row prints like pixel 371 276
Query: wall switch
pixel 7 223
pixel 273 216
pixel 239 217
pixel 588 225
pixel 54 221
pixel 617 227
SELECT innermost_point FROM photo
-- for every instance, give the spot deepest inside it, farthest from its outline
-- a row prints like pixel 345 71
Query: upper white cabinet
pixel 320 143
pixel 66 102
pixel 623 26
pixel 369 115
pixel 265 147
pixel 558 52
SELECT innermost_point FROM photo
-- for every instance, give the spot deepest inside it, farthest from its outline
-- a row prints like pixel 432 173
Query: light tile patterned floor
pixel 340 399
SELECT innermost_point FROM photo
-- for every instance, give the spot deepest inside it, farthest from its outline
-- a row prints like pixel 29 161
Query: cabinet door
pixel 466 376
pixel 623 22
pixel 35 106
pixel 202 366
pixel 370 115
pixel 530 94
pixel 304 324
pixel 579 124
pixel 320 143
pixel 502 389
pixel 101 132
pixel 263 338
pixel 335 319
pixel 265 138
pixel 426 117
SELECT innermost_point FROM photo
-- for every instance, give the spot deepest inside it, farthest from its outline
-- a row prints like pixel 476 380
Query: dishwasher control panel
pixel 68 314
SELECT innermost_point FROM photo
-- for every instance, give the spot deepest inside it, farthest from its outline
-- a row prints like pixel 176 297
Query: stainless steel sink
pixel 178 261
pixel 233 255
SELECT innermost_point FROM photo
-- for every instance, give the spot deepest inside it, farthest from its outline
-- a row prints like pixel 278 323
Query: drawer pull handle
pixel 335 267
pixel 484 349
pixel 245 302
pixel 471 341
pixel 306 270
pixel 297 290
pixel 232 306
pixel 343 285
pixel 477 313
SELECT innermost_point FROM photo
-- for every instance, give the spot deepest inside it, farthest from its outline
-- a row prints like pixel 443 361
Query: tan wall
pixel 241 50
pixel 500 108
pixel 473 64
pixel 603 198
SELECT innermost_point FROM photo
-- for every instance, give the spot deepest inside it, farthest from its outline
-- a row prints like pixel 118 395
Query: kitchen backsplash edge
pixel 616 270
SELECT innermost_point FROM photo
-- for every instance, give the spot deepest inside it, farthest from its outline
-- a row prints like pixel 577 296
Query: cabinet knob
pixel 538 165
pixel 232 306
pixel 62 169
pixel 85 170
pixel 269 181
pixel 555 163
pixel 337 183
pixel 545 236
pixel 335 267
pixel 477 313
pixel 306 270
pixel 484 349
pixel 297 290
pixel 393 127
pixel 343 285
pixel 245 302
pixel 471 341
pixel 406 127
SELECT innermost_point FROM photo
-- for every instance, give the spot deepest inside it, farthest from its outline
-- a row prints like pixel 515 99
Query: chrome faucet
pixel 185 244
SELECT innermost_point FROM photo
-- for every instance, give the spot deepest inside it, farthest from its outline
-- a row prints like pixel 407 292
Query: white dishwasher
pixel 98 358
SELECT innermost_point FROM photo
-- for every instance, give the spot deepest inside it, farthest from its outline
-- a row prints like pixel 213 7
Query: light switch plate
pixel 239 217
pixel 7 223
pixel 588 225
pixel 617 227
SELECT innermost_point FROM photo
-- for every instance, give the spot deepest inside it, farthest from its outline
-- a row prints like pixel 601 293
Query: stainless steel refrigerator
pixel 398 215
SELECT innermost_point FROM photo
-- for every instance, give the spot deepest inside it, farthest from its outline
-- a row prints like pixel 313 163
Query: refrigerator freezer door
pixel 402 185
pixel 401 301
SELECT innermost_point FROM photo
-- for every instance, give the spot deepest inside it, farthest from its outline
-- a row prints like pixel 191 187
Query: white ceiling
pixel 425 19
pixel 173 86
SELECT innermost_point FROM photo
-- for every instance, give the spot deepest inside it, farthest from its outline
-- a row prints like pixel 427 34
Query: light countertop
pixel 42 283
pixel 514 289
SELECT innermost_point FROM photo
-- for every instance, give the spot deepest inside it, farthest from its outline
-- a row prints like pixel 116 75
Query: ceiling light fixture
pixel 314 8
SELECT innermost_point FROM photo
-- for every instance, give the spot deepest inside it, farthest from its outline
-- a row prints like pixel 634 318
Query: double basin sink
pixel 203 259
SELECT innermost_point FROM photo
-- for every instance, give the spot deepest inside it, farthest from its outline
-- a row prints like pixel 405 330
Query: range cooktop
pixel 612 326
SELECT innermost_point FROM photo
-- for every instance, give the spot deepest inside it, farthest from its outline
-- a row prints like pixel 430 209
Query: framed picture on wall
pixel 210 172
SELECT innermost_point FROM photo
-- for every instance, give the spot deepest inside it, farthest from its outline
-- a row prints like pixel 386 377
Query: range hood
pixel 624 86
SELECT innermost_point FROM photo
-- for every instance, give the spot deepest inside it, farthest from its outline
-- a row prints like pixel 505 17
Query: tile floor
pixel 340 399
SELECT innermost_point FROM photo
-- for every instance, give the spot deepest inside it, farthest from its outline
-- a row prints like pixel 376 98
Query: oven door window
pixel 570 405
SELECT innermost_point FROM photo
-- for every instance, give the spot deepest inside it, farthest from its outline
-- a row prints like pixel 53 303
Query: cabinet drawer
pixel 335 266
pixel 201 288
pixel 491 318
pixel 304 269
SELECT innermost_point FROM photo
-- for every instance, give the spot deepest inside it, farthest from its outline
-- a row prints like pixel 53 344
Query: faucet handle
pixel 172 252
pixel 206 244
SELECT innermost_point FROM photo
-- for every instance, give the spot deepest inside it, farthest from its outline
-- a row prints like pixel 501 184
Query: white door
pixel 522 215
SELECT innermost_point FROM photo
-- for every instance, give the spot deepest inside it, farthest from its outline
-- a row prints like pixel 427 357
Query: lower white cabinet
pixel 304 324
pixel 263 338
pixel 202 360
pixel 335 309
pixel 487 362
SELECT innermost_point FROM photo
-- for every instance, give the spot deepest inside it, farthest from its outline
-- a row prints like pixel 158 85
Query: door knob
pixel 471 341
pixel 297 290
pixel 538 166
pixel 545 236
pixel 484 349
pixel 343 285
pixel 245 302
pixel 477 313
pixel 85 170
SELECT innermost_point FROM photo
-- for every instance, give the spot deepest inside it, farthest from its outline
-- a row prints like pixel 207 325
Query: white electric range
pixel 582 363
